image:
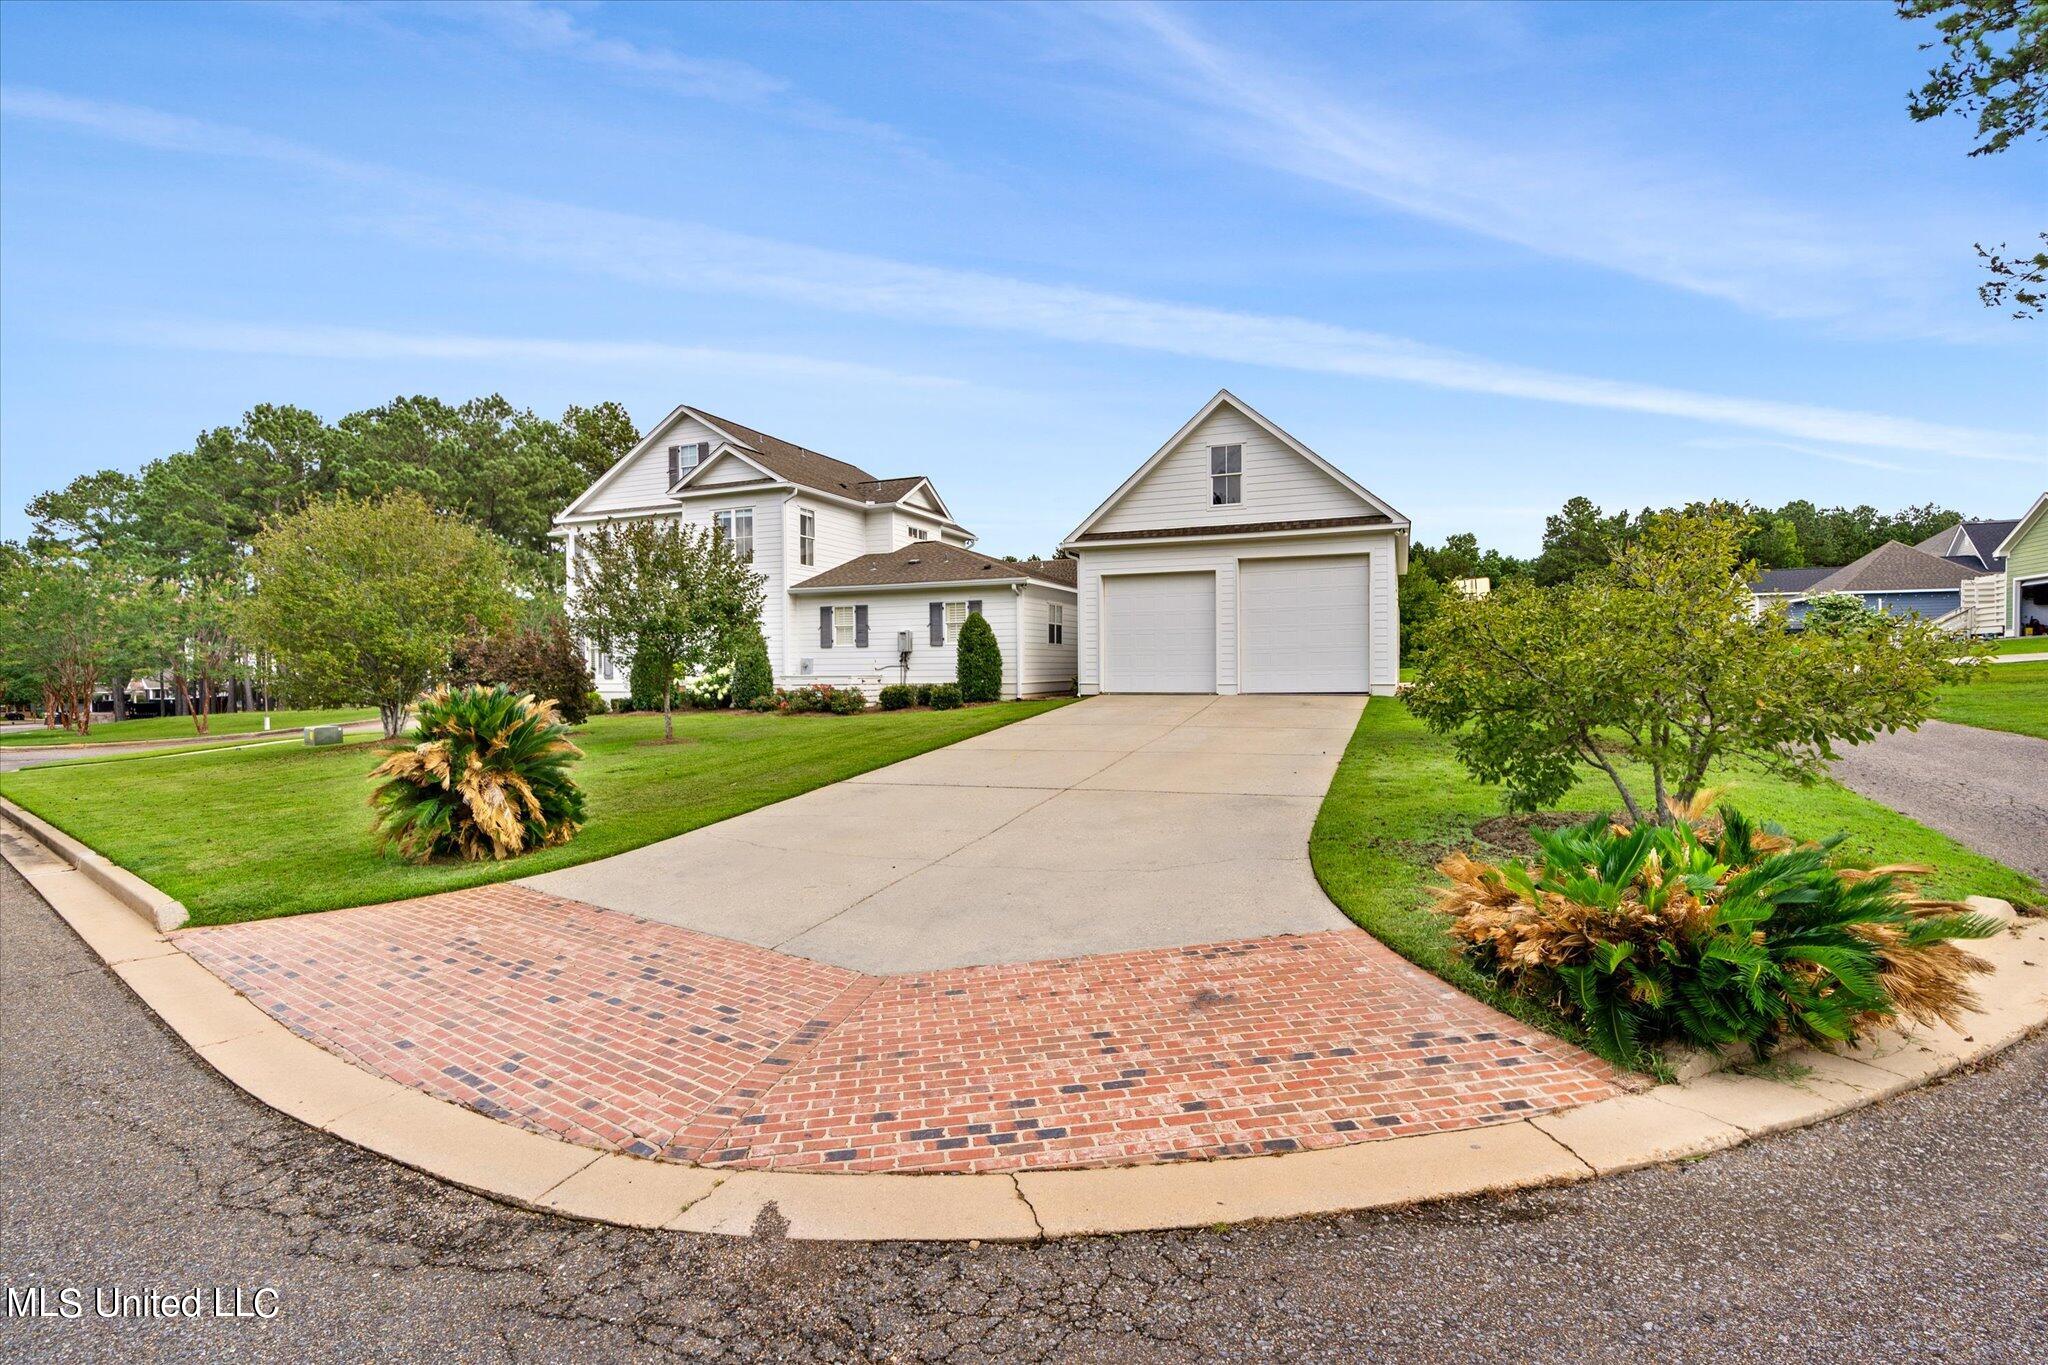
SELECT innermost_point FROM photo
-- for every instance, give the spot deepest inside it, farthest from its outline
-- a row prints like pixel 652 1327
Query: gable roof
pixel 1389 516
pixel 776 459
pixel 2022 526
pixel 1895 567
pixel 1978 541
pixel 935 561
pixel 1788 580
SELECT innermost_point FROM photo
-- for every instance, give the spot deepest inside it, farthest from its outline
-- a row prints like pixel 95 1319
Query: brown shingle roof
pixel 1893 567
pixel 1066 571
pixel 933 561
pixel 1239 528
pixel 797 464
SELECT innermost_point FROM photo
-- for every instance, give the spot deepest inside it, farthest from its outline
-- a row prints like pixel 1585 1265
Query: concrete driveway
pixel 1114 824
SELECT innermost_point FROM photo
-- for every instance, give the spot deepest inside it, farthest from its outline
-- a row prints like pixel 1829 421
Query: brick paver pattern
pixel 630 1035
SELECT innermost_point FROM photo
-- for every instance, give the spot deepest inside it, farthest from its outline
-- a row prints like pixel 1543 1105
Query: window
pixel 956 617
pixel 807 537
pixel 1055 625
pixel 737 526
pixel 1226 475
pixel 842 625
pixel 918 533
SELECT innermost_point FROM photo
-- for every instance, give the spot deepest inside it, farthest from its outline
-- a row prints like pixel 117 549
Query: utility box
pixel 322 734
pixel 903 641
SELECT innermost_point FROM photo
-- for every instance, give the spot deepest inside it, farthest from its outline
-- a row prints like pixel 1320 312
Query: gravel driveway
pixel 1910 1231
pixel 1984 788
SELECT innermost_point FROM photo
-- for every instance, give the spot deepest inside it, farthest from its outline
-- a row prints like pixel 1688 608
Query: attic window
pixel 918 533
pixel 1226 475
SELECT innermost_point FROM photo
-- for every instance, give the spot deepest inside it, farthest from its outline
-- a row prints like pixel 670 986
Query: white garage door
pixel 1304 626
pixel 1159 633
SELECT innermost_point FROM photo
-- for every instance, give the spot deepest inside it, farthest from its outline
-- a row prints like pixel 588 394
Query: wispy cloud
pixel 1680 226
pixel 695 257
pixel 1815 452
pixel 376 344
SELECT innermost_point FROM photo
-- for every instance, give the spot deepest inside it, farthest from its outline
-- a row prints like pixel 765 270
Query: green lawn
pixel 180 727
pixel 247 833
pixel 2025 644
pixel 2004 697
pixel 1400 802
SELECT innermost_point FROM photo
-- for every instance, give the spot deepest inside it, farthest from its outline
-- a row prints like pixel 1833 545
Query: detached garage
pixel 1236 559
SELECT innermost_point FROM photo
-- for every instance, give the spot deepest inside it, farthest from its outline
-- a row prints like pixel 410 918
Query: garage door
pixel 1304 625
pixel 1159 633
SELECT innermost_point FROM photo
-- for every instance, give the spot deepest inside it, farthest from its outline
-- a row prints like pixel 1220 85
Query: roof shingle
pixel 796 464
pixel 1895 567
pixel 935 561
pixel 1238 528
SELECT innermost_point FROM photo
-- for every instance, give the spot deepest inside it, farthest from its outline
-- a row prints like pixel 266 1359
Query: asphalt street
pixel 1914 1230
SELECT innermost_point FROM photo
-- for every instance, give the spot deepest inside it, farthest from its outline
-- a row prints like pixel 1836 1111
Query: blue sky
pixel 1482 257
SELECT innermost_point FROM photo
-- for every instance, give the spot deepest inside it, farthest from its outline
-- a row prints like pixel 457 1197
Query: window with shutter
pixel 956 617
pixel 842 625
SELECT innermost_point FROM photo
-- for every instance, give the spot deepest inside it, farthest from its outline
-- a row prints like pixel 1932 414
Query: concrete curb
pixel 1671 1122
pixel 162 912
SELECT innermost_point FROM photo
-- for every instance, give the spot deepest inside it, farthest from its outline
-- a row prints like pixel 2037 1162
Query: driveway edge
pixel 299 1078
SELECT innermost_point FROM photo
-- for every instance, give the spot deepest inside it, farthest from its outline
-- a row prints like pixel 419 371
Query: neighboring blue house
pixel 1894 577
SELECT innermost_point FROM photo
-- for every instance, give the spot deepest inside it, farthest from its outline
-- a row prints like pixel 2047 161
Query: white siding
pixel 1047 669
pixel 889 612
pixel 1221 558
pixel 1278 485
pixel 642 480
pixel 723 469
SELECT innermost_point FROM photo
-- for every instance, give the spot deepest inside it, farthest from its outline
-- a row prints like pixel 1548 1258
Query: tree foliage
pixel 363 602
pixel 541 659
pixel 1835 612
pixel 978 660
pixel 1995 66
pixel 1655 662
pixel 662 591
pixel 57 634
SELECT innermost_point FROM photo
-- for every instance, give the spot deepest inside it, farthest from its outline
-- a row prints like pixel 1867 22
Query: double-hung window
pixel 842 625
pixel 1055 625
pixel 956 617
pixel 737 526
pixel 1226 475
pixel 807 537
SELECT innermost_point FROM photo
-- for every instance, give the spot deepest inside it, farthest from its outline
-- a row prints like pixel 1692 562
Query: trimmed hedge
pixel 896 696
pixel 752 678
pixel 945 696
pixel 979 660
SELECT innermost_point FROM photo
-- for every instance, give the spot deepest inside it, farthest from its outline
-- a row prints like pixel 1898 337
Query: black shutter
pixel 938 623
pixel 675 465
pixel 974 606
pixel 703 451
pixel 824 627
pixel 860 627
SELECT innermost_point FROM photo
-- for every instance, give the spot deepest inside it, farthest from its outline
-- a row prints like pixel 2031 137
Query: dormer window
pixel 683 459
pixel 1226 475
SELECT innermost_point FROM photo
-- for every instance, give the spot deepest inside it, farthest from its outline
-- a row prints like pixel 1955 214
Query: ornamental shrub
pixel 1712 931
pixel 979 660
pixel 924 693
pixel 945 696
pixel 621 705
pixel 896 696
pixel 709 690
pixel 594 704
pixel 489 778
pixel 798 700
pixel 765 702
pixel 644 683
pixel 751 675
pixel 542 659
pixel 846 701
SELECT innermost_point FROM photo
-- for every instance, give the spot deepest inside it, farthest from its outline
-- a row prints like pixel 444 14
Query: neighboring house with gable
pixel 1895 578
pixel 850 560
pixel 2024 552
pixel 1236 559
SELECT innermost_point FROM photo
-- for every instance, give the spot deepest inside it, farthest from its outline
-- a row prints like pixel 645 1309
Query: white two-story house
pixel 868 580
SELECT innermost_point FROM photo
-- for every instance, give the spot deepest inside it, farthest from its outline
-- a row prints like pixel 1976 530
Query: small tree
pixel 979 660
pixel 364 602
pixel 1835 612
pixel 752 675
pixel 57 633
pixel 1656 660
pixel 664 592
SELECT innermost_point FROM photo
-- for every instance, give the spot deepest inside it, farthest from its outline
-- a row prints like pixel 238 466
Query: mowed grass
pixel 2022 644
pixel 2003 697
pixel 1400 802
pixel 239 834
pixel 179 727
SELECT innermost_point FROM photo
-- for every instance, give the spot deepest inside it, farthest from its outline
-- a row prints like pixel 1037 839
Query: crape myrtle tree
pixel 363 602
pixel 662 592
pixel 1653 668
pixel 57 634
